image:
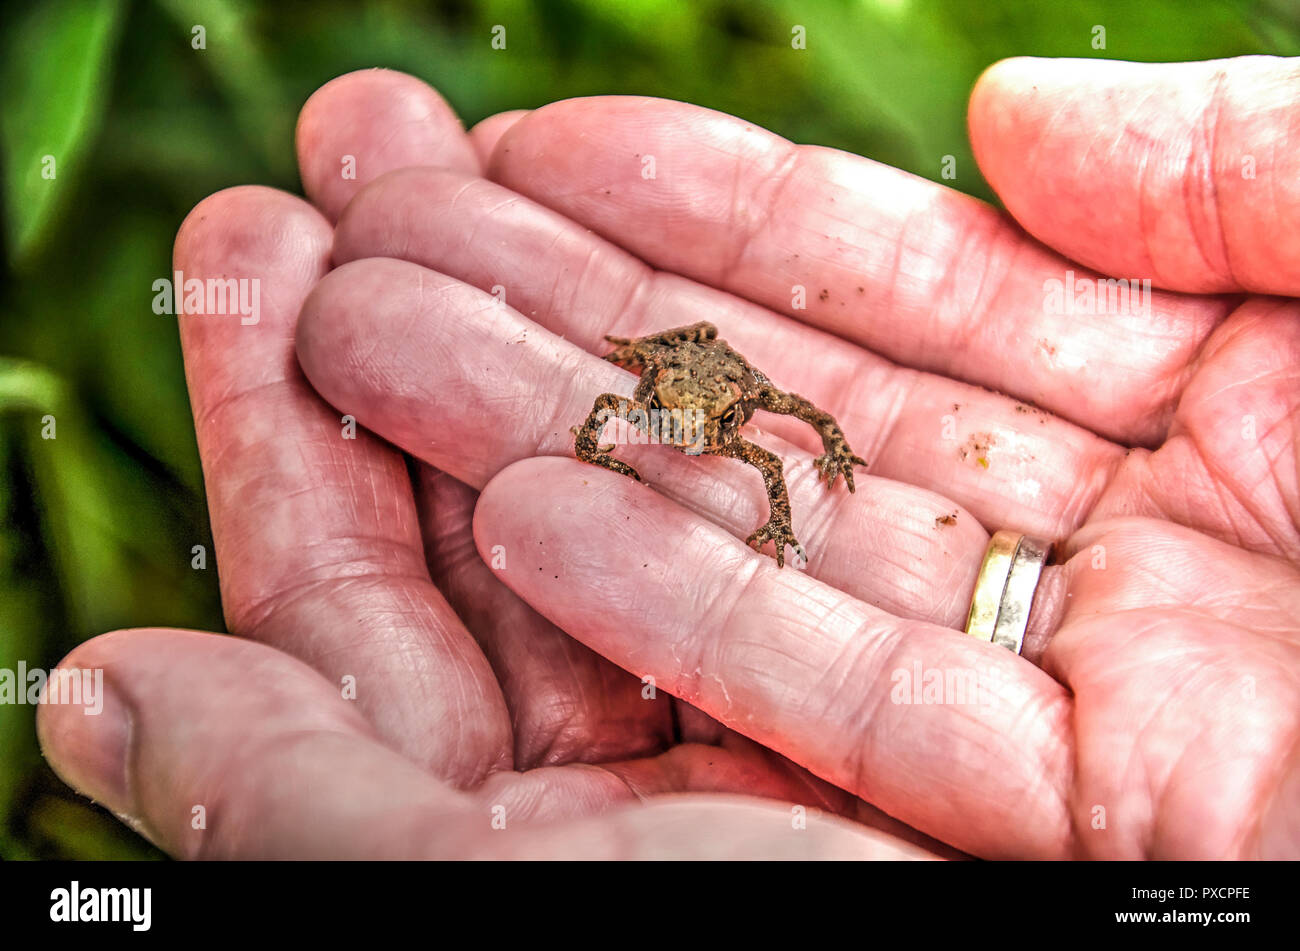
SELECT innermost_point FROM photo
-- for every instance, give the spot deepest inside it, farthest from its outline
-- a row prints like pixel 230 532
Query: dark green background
pixel 97 525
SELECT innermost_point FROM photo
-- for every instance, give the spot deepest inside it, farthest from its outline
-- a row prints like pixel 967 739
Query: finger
pixel 484 135
pixel 214 747
pixel 923 275
pixel 567 703
pixel 317 539
pixel 790 662
pixel 362 124
pixel 1005 462
pixel 469 386
pixel 1185 173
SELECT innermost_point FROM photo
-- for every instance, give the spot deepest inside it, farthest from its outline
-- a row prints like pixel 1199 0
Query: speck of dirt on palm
pixel 978 445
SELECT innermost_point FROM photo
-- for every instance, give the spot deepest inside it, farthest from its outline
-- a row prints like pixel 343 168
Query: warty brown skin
pixel 700 392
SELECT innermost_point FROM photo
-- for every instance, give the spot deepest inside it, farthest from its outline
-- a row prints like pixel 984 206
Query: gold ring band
pixel 1004 589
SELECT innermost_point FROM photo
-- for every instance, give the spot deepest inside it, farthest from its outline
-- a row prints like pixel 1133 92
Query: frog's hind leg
pixel 585 444
pixel 633 351
pixel 778 528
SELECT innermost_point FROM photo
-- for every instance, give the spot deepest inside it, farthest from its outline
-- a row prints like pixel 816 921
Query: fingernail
pixel 86 736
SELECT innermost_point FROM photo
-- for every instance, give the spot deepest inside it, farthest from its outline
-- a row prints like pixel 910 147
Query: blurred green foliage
pixel 97 524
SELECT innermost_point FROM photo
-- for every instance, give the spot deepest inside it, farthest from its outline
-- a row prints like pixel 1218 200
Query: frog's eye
pixel 729 417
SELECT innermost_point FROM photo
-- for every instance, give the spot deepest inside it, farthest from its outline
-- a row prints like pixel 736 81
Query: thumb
pixel 1183 173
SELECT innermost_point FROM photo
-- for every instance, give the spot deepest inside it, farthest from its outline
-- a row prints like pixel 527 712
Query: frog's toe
pixel 779 535
pixel 827 468
pixel 831 464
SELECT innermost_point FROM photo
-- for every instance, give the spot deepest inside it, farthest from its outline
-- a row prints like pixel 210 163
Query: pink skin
pixel 1162 687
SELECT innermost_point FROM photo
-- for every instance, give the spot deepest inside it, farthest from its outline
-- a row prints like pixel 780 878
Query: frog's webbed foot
pixel 585 445
pixel 837 458
pixel 782 535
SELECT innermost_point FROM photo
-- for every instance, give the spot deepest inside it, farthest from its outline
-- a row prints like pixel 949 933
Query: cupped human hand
pixel 1155 712
pixel 365 710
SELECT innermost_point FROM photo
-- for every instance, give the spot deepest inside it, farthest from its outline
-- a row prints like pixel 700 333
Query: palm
pixel 1161 717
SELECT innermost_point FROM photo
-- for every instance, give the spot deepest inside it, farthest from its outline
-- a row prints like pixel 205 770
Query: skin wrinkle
pixel 253 613
pixel 1267 793
pixel 1224 495
pixel 886 426
pixel 859 650
pixel 1166 790
pixel 745 227
pixel 968 331
pixel 1144 230
pixel 726 610
pixel 1270 793
pixel 1087 494
pixel 1212 118
pixel 227 806
pixel 864 722
pixel 288 604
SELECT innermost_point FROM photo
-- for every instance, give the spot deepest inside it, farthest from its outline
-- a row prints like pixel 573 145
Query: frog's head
pixel 698 415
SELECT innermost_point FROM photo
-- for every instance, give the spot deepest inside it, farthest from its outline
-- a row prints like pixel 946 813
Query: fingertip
pixel 365 123
pixel 379 220
pixel 248 222
pixel 498 501
pixel 86 718
pixel 328 327
pixel 486 133
pixel 998 112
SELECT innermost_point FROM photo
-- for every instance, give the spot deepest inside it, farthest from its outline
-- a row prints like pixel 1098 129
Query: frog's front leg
pixel 838 457
pixel 634 351
pixel 778 528
pixel 585 444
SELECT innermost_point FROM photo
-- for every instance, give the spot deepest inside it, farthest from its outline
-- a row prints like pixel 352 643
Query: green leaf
pixel 232 52
pixel 23 623
pixel 55 77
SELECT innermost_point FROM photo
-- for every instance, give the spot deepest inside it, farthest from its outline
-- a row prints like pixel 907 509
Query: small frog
pixel 696 393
